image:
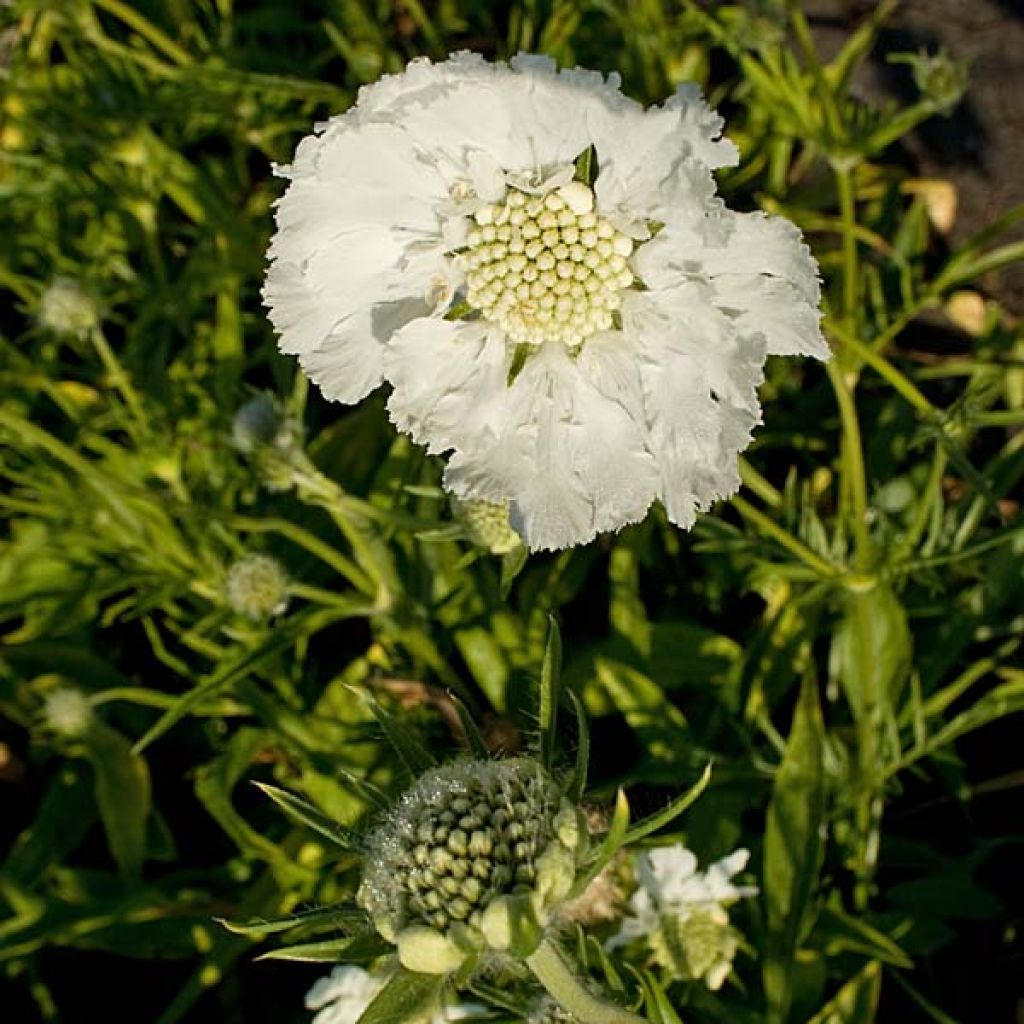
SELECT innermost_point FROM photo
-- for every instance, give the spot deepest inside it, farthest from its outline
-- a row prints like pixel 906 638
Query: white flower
pixel 681 913
pixel 257 587
pixel 343 995
pixel 67 711
pixel 580 345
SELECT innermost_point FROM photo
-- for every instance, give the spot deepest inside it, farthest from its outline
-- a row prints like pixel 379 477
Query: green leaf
pixel 406 744
pixel 333 917
pixel 550 693
pixel 577 784
pixel 512 564
pixel 856 1002
pixel 123 795
pixel 474 740
pixel 793 849
pixel 304 812
pixel 668 814
pixel 408 998
pixel 343 950
pixel 871 650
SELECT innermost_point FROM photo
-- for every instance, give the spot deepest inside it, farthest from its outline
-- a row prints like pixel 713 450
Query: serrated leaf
pixel 310 816
pixel 408 998
pixel 793 849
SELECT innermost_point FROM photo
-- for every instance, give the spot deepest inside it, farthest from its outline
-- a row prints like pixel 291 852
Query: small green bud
pixel 427 951
pixel 556 871
pixel 487 525
pixel 257 587
pixel 512 923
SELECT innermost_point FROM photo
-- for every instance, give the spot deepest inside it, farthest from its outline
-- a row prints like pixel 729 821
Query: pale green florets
pixel 257 587
pixel 67 712
pixel 547 268
pixel 465 835
pixel 487 524
pixel 701 945
pixel 66 308
pixel 549 1012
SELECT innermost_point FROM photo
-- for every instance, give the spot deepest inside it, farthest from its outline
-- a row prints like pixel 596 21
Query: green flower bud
pixel 467 846
pixel 257 587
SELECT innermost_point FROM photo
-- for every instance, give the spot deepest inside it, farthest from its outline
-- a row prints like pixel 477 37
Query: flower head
pixel 67 711
pixel 540 269
pixel 257 587
pixel 469 844
pixel 487 525
pixel 680 912
pixel 270 439
pixel 66 308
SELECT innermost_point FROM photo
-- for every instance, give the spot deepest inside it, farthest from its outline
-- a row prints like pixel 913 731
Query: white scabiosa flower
pixel 680 912
pixel 65 307
pixel 67 712
pixel 541 270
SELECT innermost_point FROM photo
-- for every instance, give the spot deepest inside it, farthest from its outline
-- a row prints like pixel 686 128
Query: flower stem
pixel 768 526
pixel 554 973
pixel 848 218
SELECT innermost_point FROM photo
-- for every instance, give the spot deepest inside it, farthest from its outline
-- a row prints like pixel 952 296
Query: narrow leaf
pixel 335 917
pixel 304 812
pixel 474 740
pixel 793 849
pixel 668 814
pixel 406 744
pixel 550 693
pixel 578 780
pixel 345 949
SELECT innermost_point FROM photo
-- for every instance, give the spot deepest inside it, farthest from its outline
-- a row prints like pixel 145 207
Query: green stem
pixel 854 473
pixel 848 220
pixel 796 547
pixel 554 973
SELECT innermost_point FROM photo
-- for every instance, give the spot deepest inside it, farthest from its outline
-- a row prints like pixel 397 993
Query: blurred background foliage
pixel 873 561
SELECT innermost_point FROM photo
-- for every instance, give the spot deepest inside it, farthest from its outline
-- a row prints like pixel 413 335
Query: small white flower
pixel 257 587
pixel 681 912
pixel 581 346
pixel 66 308
pixel 343 995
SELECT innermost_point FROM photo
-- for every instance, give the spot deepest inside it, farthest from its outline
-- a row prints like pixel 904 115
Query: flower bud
pixel 67 712
pixel 257 587
pixel 66 308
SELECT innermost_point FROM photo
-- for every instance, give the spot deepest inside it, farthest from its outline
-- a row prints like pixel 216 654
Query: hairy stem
pixel 556 975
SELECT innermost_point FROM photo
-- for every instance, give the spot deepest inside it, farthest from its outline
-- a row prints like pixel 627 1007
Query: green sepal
pixel 406 744
pixel 310 816
pixel 577 783
pixel 347 949
pixel 550 693
pixel 330 917
pixel 474 740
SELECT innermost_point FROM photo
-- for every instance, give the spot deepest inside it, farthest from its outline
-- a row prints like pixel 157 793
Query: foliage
pixel 831 640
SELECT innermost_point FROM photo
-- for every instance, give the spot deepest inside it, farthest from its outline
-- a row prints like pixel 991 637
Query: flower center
pixel 546 268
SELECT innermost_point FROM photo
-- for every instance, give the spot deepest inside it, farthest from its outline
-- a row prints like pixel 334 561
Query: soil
pixel 980 147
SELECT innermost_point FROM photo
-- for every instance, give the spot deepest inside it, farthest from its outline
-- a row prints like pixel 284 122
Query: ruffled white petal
pixel 449 380
pixel 570 462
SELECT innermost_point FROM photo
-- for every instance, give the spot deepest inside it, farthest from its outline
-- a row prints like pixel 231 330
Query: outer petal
pixel 449 382
pixel 570 461
pixel 760 270
pixel 699 379
pixel 355 254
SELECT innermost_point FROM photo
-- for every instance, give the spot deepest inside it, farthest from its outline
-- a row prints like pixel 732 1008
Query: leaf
pixel 658 820
pixel 577 784
pixel 408 998
pixel 793 849
pixel 474 741
pixel 123 795
pixel 550 693
pixel 856 1002
pixel 310 816
pixel 345 949
pixel 406 744
pixel 871 650
pixel 837 932
pixel 512 564
pixel 336 917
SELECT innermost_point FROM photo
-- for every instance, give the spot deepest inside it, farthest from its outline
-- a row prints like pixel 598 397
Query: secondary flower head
pixel 469 846
pixel 680 912
pixel 540 269
pixel 257 587
pixel 67 712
